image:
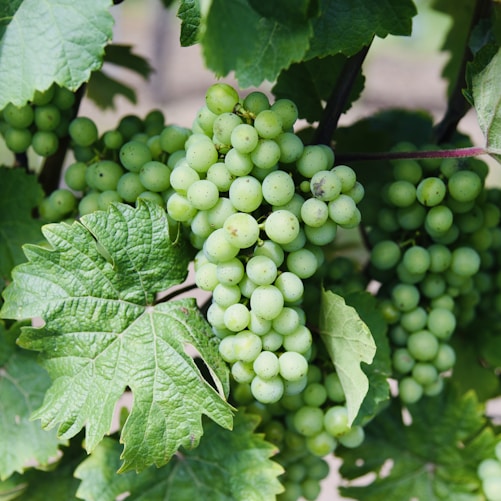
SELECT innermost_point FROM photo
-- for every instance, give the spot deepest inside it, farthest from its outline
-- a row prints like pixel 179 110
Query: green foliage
pixel 349 342
pixel 95 289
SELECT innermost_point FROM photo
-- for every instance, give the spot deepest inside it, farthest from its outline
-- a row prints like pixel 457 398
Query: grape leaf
pixel 285 11
pixel 379 370
pixel 95 290
pixel 433 458
pixel 224 467
pixel 189 13
pixel 236 38
pixel 48 41
pixel 309 84
pixel 17 225
pixel 348 25
pixel 22 386
pixel 485 91
pixel 349 343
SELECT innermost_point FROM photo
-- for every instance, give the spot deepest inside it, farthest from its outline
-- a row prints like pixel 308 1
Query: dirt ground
pixel 179 85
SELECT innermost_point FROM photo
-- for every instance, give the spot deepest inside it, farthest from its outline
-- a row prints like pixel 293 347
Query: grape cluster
pixel 305 427
pixel 428 237
pixel 132 161
pixel 41 123
pixel 259 206
pixel 489 472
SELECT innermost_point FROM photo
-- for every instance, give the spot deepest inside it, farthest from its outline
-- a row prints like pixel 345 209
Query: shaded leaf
pixel 349 342
pixel 95 290
pixel 189 13
pixel 48 41
pixel 226 466
pixel 287 11
pixel 103 90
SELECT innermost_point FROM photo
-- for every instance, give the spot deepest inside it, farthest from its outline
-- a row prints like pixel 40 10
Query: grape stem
pixel 177 292
pixel 339 97
pixel 472 151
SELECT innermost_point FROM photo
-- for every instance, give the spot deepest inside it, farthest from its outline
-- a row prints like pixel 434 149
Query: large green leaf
pixel 189 13
pixel 236 38
pixel 435 457
pixel 95 290
pixel 46 41
pixel 22 386
pixel 486 94
pixel 349 343
pixel 347 25
pixel 226 466
pixel 19 194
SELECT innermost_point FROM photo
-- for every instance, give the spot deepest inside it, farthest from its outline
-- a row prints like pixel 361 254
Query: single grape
pixel 236 318
pixel 246 194
pixel 266 365
pixel 431 191
pixel 221 98
pixel 268 390
pixel 353 438
pixel 401 193
pixel 409 390
pixel 282 226
pixel 312 160
pixel 108 197
pixel 441 322
pixel 223 127
pixel 266 301
pixel 63 98
pixel 414 320
pixel 255 102
pixel 261 270
pixel 129 186
pixel 217 248
pixel 385 254
pixel 416 259
pixel 88 204
pixel 308 421
pixel 315 394
pixel 465 261
pixel 334 388
pixel 405 296
pixel 63 201
pixel 266 154
pixel 83 131
pixel 299 341
pixel 302 263
pixel 423 345
pixel 219 174
pixel 321 235
pixel 18 140
pixel 242 372
pixel 286 322
pixel 155 176
pixel 237 163
pixel 290 285
pixel 47 117
pixel 424 373
pixel 230 272
pixel 134 154
pixel 291 147
pixel 241 230
pixel 402 360
pixel 45 143
pixel 321 445
pixel 182 177
pixel 268 124
pixel 464 186
pixel 278 188
pixel 407 170
pixel 42 97
pixel 106 175
pixel 18 117
pixel 203 194
pixel 74 176
pixel 344 212
pixel 325 185
pixel 336 420
pixel 445 358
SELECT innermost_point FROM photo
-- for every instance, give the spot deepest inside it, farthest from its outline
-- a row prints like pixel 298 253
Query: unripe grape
pixel 221 98
pixel 266 365
pixel 63 201
pixel 267 391
pixel 385 255
pixel 410 391
pixel 18 117
pixel 312 160
pixel 291 147
pixel 134 154
pixel 431 191
pixel 268 124
pixel 278 188
pixel 155 176
pixel 464 186
pixel 267 301
pixel 282 226
pixel 45 143
pixel 108 197
pixel 83 131
pixel 47 117
pixel 18 140
pixel 325 185
pixel 246 194
pixel 255 102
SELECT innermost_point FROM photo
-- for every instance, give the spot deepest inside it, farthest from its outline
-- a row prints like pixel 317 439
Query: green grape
pixel 298 243
pixel 278 188
pixel 47 117
pixel 290 285
pixel 42 97
pixel 258 325
pixel 218 215
pixel 431 191
pixel 83 131
pixel 244 138
pixel 74 176
pixel 440 258
pixel 299 341
pixel 465 261
pixel 129 186
pixel 182 177
pixel 241 230
pixel 270 249
pixel 424 373
pixel 237 163
pixel 315 394
pixel 261 270
pixel 412 217
pixel 336 420
pixel 18 140
pixel 314 212
pixel 223 127
pixel 134 154
pixel 63 98
pixel 308 421
pixel 246 194
pixel 291 147
pixel 272 341
pixel 242 372
pixel 230 272
pixel 445 358
pixel 217 248
pixel 356 193
pixel 322 235
pixel 267 391
pixel 489 468
pixel 255 102
pixel 321 444
pixel 205 120
pixel 200 225
pixel 47 211
pixel 302 263
pixel 353 438
pixel 108 197
pixel 334 388
pixel 45 143
pixel 106 175
pixel 441 323
pixel 203 194
pixel 344 212
pixel 155 176
pixel 266 365
pixel 405 296
pixel 88 204
pixel 464 186
pixel 312 160
pixel 438 220
pixel 219 174
pixel 221 98
pixel 385 255
pixel 83 153
pixel 407 170
pixel 18 117
pixel 113 139
pixel 129 126
pixel 266 154
pixel 325 185
pixel 173 138
pixel 286 322
pixel 63 201
pixel 266 301
pixel 416 259
pixel 287 112
pixel 268 124
pixel 492 488
pixel 206 277
pixel 236 319
pixel 281 226
pixel 152 196
pixel 401 193
pixel 423 345
pixel 402 360
pixel 409 390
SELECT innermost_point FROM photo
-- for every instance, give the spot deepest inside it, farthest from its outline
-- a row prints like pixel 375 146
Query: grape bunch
pixel 429 236
pixel 132 161
pixel 259 206
pixel 39 124
pixel 305 427
pixel 489 472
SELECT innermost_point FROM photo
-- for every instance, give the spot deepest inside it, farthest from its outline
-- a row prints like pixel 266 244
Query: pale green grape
pixel 314 212
pixel 219 174
pixel 353 438
pixel 255 102
pixel 286 322
pixel 431 191
pixel 312 160
pixel 287 112
pixel 200 155
pixel 344 211
pixel 336 420
pixel 266 154
pixel 465 261
pixel 308 421
pixel 441 322
pixel 236 318
pixel 356 193
pixel 182 177
pixel 416 259
pixel 227 344
pixel 244 138
pixel 272 341
pixel 129 186
pixel 266 365
pixel 259 325
pixel 134 154
pixel 302 263
pixel 326 185
pixel 267 391
pixel 226 295
pixel 238 163
pixel 205 277
pixel 385 254
pixel 216 247
pixel 83 131
pixel 63 201
pixel 221 98
pixel 18 140
pixel 107 175
pixel 18 117
pixel 438 220
pixel 320 444
pixel 322 235
pixel 242 372
pixel 334 388
pixel 88 204
pixel 266 301
pixel 270 249
pixel 423 345
pixel 223 127
pixel 241 230
pixel 464 186
pixel 445 358
pixel 74 176
pixel 108 197
pixel 47 117
pixel 291 147
pixel 203 194
pixel 402 360
pixel 414 320
pixel 230 272
pixel 247 286
pixel 315 393
pixel 282 226
pixel 200 225
pixel 412 217
pixel 205 119
pixel 405 296
pixel 261 270
pixel 407 170
pixel 424 373
pixel 246 194
pixel 155 176
pixel 409 390
pixel 268 124
pixel 218 215
pixel 290 285
pixel 440 258
pixel 45 143
pixel 278 188
pixel 401 193
pixel 299 341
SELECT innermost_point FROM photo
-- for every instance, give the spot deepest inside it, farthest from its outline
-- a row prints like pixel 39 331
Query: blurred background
pixel 402 72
